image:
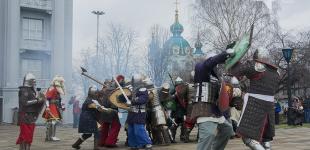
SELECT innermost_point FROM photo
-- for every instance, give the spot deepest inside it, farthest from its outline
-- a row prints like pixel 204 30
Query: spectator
pixel 298 111
pixel 277 108
pixel 76 110
pixel 306 105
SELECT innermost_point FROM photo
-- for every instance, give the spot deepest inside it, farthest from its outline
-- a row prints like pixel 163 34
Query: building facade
pixel 36 37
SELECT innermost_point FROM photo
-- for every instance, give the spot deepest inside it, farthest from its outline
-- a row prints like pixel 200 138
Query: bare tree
pixel 116 56
pixel 157 57
pixel 223 21
pixel 120 43
pixel 300 60
pixel 80 82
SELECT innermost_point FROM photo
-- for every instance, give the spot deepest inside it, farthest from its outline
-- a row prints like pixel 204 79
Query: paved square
pixel 286 139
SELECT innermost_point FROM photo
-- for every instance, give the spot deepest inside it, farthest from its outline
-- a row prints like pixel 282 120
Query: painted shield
pixel 117 98
pixel 225 96
pixel 241 49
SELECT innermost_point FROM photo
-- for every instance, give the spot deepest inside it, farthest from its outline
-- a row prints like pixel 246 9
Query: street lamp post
pixel 98 13
pixel 287 54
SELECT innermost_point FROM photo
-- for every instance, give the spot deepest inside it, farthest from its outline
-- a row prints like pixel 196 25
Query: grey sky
pixel 140 15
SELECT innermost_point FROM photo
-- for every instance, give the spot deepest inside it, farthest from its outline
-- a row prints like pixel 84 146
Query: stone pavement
pixel 286 139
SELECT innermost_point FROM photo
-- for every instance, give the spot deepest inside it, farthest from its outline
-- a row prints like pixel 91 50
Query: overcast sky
pixel 140 15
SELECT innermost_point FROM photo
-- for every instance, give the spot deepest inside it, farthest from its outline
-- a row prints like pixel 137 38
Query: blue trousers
pixel 137 136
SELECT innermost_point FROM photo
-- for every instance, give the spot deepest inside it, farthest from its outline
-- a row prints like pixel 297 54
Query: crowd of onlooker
pixel 300 111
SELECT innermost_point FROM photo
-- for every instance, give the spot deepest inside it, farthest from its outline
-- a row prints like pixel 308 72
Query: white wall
pixel 60 45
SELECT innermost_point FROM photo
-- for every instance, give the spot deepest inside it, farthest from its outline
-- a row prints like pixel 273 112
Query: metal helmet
pixel 29 80
pixel 262 54
pixel 192 74
pixel 148 83
pixel 165 87
pixel 209 55
pixel 138 79
pixel 178 80
pixel 93 92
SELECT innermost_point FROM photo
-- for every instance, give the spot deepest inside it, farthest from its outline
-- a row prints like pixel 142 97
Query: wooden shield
pixel 225 97
pixel 115 95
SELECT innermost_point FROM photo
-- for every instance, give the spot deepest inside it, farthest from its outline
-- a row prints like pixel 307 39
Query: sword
pixel 123 92
pixel 53 117
pixel 173 121
pixel 171 79
pixel 170 134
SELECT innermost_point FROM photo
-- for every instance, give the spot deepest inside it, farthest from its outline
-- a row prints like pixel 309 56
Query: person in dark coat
pixel 88 119
pixel 298 111
pixel 76 110
pixel 137 134
pixel 213 128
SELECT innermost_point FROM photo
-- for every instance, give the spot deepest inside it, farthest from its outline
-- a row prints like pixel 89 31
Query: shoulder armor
pixel 260 67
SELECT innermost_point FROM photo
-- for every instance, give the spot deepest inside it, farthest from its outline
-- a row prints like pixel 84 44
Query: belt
pixel 54 101
pixel 137 110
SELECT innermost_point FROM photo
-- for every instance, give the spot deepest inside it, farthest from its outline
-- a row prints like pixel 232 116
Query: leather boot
pixel 27 146
pixel 22 146
pixel 77 144
pixel 186 135
pixel 96 144
pixel 173 130
pixel 182 134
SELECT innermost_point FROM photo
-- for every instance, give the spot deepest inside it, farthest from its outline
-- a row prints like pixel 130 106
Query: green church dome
pixel 176 29
pixel 177 45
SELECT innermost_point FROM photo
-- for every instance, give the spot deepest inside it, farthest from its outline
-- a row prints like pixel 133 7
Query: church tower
pixel 180 57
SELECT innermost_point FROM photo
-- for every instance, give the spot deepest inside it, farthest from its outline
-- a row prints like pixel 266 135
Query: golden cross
pixel 176 5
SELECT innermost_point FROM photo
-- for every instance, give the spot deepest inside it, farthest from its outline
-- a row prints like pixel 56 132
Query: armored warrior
pixel 168 102
pixel 256 125
pixel 189 123
pixel 88 118
pixel 52 113
pixel 236 103
pixel 156 118
pixel 181 99
pixel 109 120
pixel 137 134
pixel 30 106
pixel 213 129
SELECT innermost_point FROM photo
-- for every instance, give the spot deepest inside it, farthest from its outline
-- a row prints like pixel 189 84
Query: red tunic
pixel 52 95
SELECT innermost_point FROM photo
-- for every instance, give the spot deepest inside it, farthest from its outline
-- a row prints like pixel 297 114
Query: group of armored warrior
pixel 218 104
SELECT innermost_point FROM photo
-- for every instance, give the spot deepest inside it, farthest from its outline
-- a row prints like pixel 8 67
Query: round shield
pixel 225 97
pixel 116 98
